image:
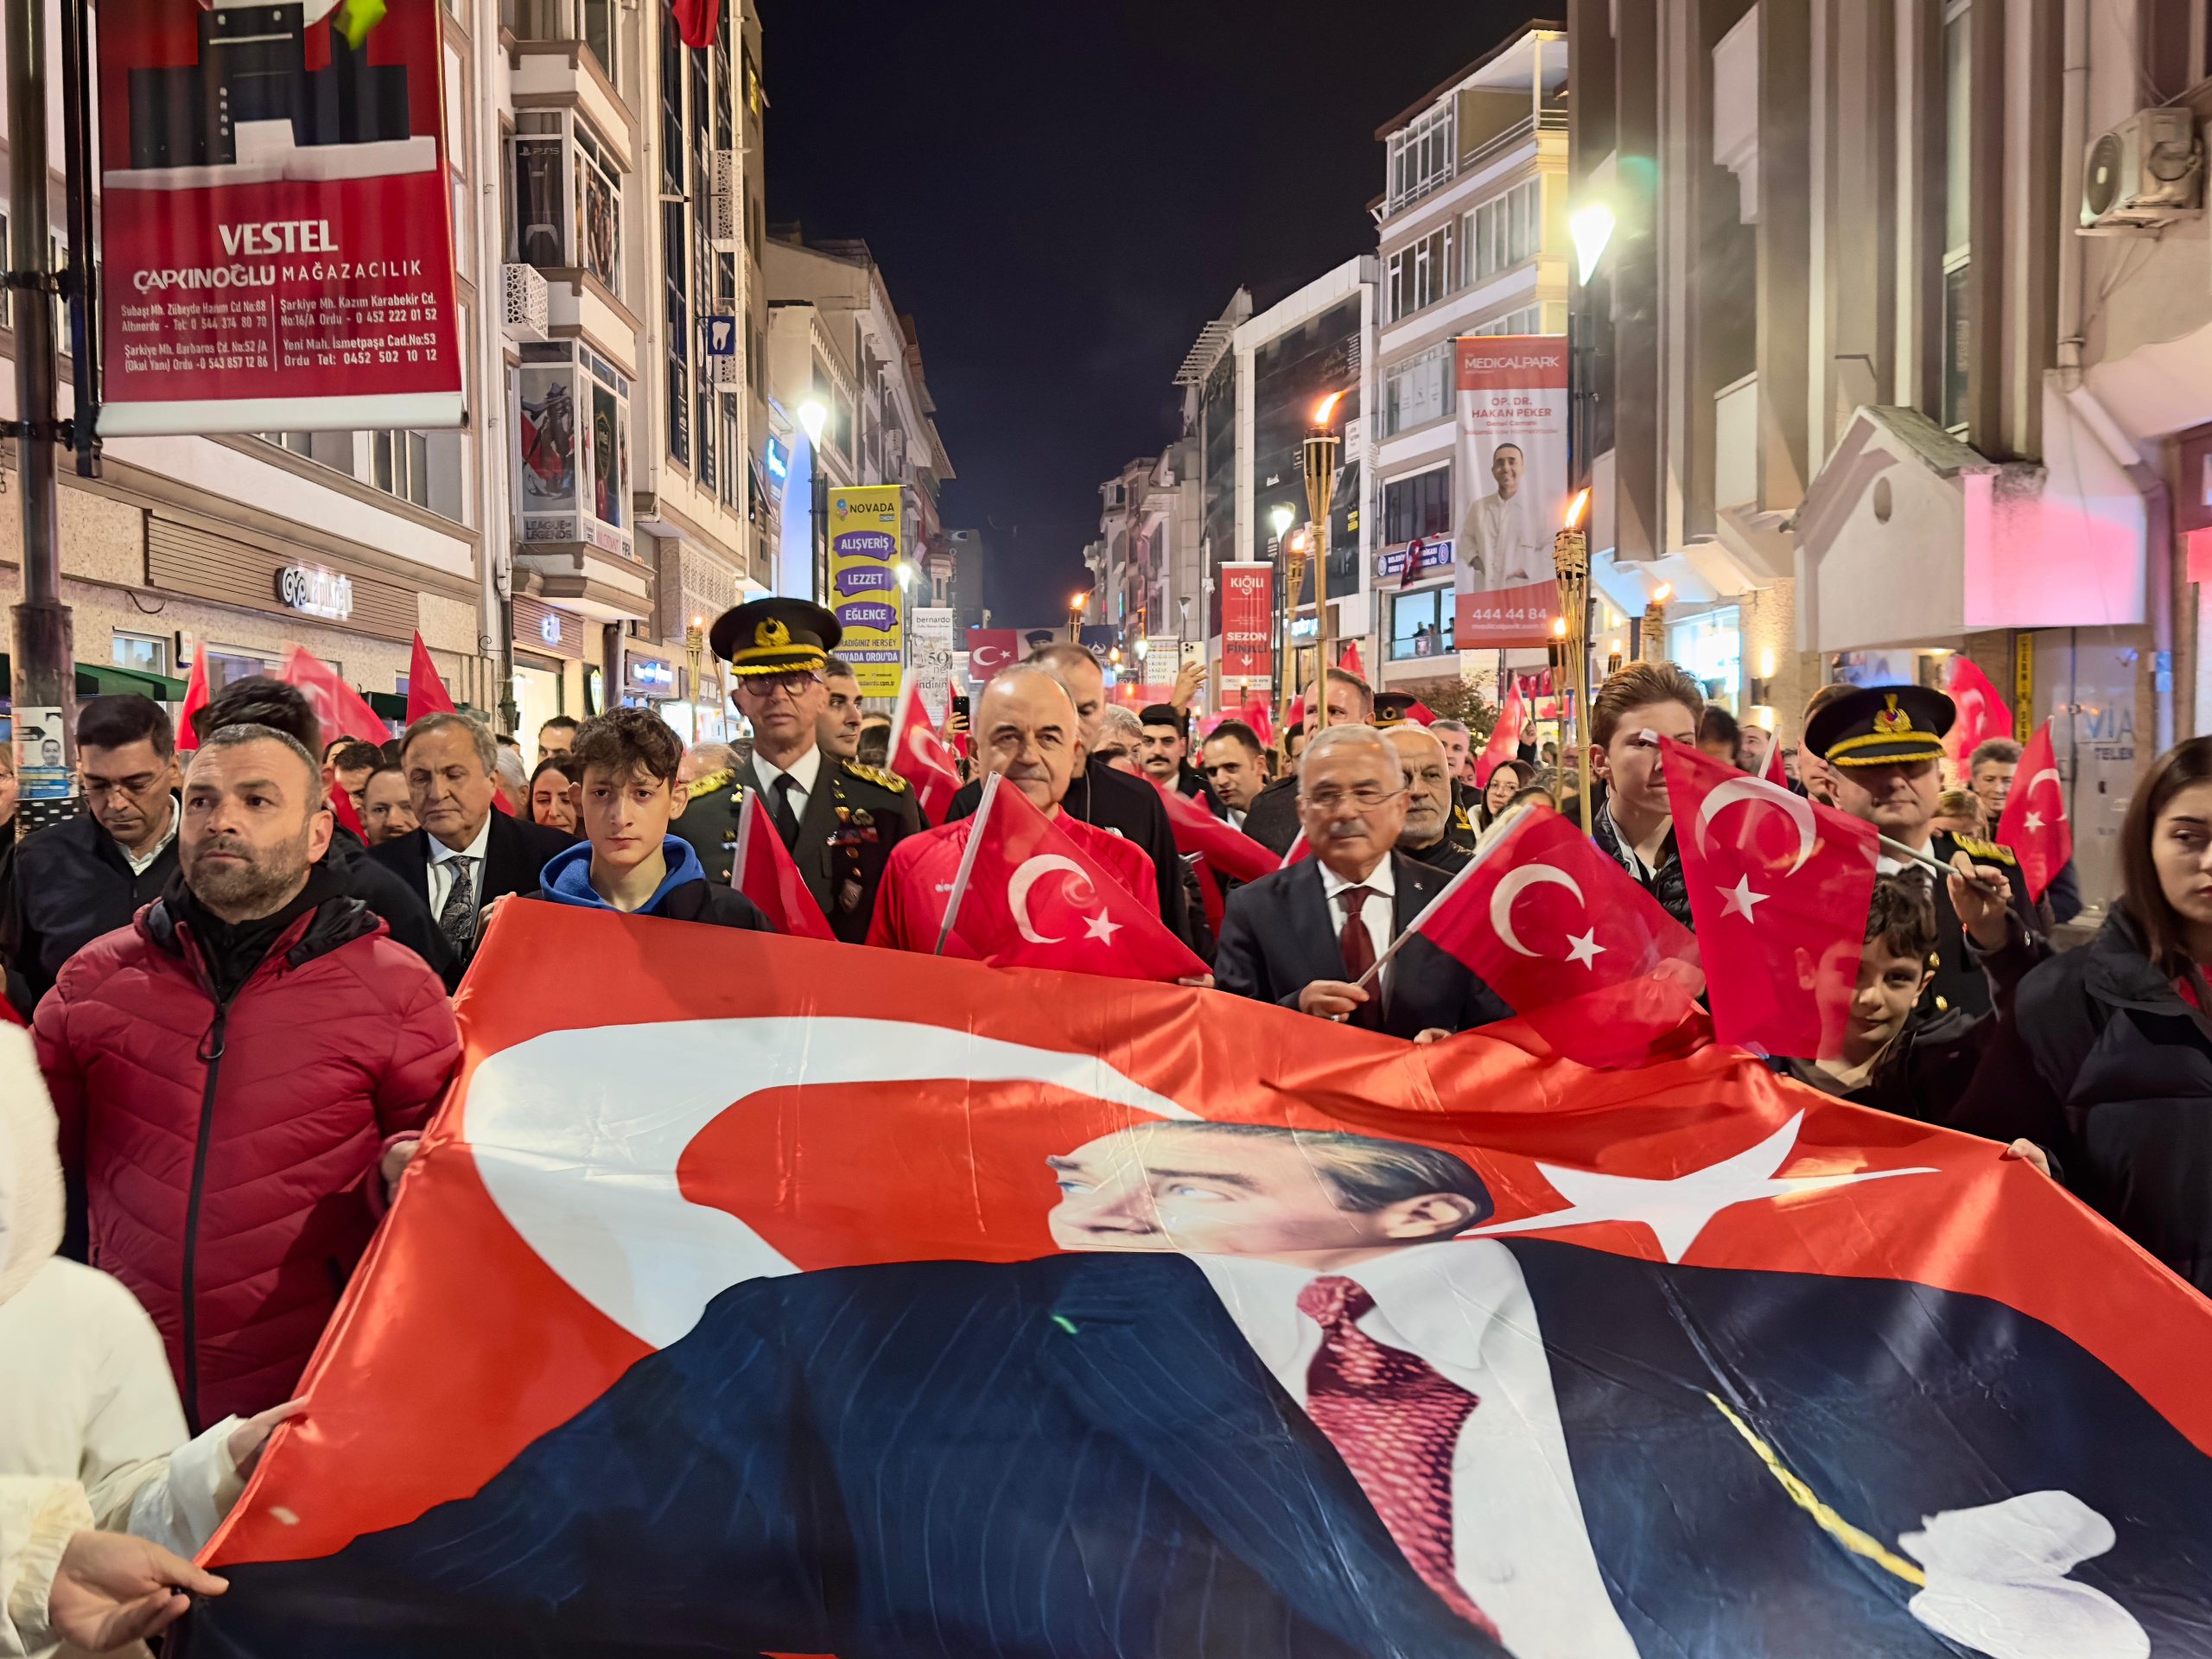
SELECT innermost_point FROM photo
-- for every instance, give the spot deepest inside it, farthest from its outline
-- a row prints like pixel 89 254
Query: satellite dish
pixel 2100 188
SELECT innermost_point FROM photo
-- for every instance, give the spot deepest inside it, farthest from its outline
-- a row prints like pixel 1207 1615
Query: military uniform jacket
pixel 855 815
pixel 1959 981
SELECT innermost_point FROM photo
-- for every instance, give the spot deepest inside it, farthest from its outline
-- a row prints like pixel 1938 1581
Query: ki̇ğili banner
pixel 763 1295
pixel 864 535
pixel 1247 604
pixel 276 218
pixel 1511 490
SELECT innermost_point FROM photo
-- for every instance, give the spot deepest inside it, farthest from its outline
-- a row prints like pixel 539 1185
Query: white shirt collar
pixel 802 772
pixel 1382 879
pixel 141 862
pixel 440 852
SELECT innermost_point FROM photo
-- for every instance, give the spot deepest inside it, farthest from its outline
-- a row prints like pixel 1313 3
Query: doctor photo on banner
pixel 1510 487
pixel 1505 537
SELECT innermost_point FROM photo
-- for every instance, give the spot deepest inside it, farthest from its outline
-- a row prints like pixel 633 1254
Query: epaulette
pixel 876 775
pixel 1459 817
pixel 1983 850
pixel 709 784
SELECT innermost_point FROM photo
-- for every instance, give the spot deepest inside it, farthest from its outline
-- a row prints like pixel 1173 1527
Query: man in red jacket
pixel 240 1075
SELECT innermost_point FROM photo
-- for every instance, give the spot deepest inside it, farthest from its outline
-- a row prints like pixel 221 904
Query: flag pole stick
pixel 1430 908
pixel 967 859
pixel 744 813
pixel 1898 849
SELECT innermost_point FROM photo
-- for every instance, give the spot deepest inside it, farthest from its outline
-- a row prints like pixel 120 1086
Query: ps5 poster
pixel 275 218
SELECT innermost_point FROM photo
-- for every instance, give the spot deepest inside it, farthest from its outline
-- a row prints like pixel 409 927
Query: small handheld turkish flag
pixel 1770 767
pixel 1223 846
pixel 1299 850
pixel 2034 825
pixel 1505 738
pixel 338 706
pixel 1982 712
pixel 919 756
pixel 426 692
pixel 195 699
pixel 764 873
pixel 1026 896
pixel 1779 887
pixel 1582 953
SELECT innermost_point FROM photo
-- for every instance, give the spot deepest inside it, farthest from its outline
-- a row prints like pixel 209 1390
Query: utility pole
pixel 42 661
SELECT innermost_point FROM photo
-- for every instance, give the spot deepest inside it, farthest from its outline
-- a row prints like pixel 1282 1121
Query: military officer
pixel 714 797
pixel 839 819
pixel 1395 708
pixel 1883 744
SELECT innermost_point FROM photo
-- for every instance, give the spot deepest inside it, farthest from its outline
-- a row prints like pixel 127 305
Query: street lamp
pixel 812 417
pixel 1590 228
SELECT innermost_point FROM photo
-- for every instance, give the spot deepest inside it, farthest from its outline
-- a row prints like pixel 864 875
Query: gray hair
pixel 480 737
pixel 231 737
pixel 1458 726
pixel 507 768
pixel 1344 737
pixel 2003 750
pixel 1121 719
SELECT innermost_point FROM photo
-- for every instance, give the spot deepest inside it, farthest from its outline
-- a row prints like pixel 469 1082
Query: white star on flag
pixel 2035 822
pixel 1098 927
pixel 1677 1210
pixel 1584 948
pixel 1740 899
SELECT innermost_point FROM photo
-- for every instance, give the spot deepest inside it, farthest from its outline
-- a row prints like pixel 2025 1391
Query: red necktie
pixel 1356 945
pixel 1395 1421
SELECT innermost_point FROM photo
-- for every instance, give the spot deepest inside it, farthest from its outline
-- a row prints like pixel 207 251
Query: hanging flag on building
pixel 2034 825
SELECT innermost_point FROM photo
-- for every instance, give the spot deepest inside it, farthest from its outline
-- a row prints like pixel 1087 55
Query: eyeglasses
pixel 136 788
pixel 764 686
pixel 1366 798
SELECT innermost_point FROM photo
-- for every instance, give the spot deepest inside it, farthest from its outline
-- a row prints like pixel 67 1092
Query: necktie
pixel 786 821
pixel 1357 946
pixel 457 917
pixel 1395 1421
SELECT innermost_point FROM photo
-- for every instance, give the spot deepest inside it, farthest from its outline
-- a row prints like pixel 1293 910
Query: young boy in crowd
pixel 628 861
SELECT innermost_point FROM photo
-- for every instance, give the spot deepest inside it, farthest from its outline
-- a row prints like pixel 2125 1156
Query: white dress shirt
pixel 805 773
pixel 1519 1543
pixel 441 872
pixel 142 862
pixel 1502 546
pixel 1378 912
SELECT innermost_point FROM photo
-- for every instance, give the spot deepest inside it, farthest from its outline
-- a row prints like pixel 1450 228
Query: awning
pixel 100 679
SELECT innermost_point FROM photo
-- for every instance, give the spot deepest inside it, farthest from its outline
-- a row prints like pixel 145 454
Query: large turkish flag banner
pixel 759 1295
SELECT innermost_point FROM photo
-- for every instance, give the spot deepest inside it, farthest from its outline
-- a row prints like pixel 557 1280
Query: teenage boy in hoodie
pixel 628 759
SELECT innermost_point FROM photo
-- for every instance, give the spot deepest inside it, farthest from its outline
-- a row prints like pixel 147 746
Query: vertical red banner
pixel 276 218
pixel 1247 609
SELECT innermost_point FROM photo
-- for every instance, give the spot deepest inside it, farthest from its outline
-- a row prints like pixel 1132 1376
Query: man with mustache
pixel 1026 731
pixel 1305 937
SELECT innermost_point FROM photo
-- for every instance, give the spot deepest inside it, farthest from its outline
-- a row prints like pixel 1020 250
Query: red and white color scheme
pixel 1349 661
pixel 1578 949
pixel 1504 737
pixel 1983 712
pixel 426 691
pixel 1779 888
pixel 1221 850
pixel 1247 608
pixel 1771 770
pixel 338 706
pixel 253 266
pixel 1510 486
pixel 2034 825
pixel 991 649
pixel 766 874
pixel 195 699
pixel 922 757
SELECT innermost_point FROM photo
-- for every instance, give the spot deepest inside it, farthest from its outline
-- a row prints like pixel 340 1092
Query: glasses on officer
pixel 792 685
pixel 1366 798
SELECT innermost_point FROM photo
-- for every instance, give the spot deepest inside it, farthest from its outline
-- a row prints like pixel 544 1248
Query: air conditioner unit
pixel 522 311
pixel 727 213
pixel 2147 170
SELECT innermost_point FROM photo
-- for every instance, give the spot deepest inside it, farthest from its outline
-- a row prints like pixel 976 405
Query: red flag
pixel 766 874
pixel 1422 713
pixel 1504 737
pixel 1255 714
pixel 2034 825
pixel 1982 710
pixel 1780 901
pixel 1770 767
pixel 1581 952
pixel 1223 846
pixel 1026 896
pixel 426 692
pixel 341 808
pixel 337 705
pixel 195 699
pixel 696 22
pixel 919 756
pixel 1297 852
pixel 1349 661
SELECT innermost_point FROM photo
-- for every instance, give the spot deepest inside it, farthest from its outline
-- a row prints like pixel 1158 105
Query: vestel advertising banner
pixel 1512 486
pixel 275 218
pixel 1247 607
pixel 864 548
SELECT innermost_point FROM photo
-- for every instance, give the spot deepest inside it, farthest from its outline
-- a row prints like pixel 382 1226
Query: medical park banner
pixel 276 218
pixel 1510 489
pixel 865 543
pixel 763 1295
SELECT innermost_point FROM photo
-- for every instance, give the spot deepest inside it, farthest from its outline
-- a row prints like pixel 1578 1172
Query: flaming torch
pixel 1324 444
pixel 1571 559
pixel 1652 633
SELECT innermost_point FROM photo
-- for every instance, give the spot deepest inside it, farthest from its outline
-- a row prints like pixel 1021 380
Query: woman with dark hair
pixel 1508 780
pixel 2109 1065
pixel 551 805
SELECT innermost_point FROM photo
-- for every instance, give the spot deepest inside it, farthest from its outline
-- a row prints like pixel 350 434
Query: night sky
pixel 1064 195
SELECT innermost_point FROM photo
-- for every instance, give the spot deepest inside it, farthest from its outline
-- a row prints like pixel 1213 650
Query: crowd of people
pixel 237 964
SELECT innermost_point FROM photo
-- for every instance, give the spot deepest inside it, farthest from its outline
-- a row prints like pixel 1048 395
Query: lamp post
pixel 813 417
pixel 1324 444
pixel 1571 562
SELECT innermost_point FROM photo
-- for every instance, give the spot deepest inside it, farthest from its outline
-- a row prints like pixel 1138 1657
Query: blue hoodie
pixel 566 876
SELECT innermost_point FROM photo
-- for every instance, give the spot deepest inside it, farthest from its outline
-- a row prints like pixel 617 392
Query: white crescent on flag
pixel 1517 882
pixel 2057 784
pixel 1757 788
pixel 1026 876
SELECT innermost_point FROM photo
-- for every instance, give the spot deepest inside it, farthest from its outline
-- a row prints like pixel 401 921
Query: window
pixel 600 35
pixel 226 665
pixel 1417 390
pixel 1503 233
pixel 549 227
pixel 1420 273
pixel 1958 191
pixel 1420 623
pixel 1530 319
pixel 145 653
pixel 1421 157
pixel 599 209
pixel 572 434
pixel 676 303
pixel 1420 506
pixel 399 464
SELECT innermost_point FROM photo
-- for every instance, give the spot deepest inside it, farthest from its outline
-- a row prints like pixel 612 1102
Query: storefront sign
pixel 1414 560
pixel 648 677
pixel 316 591
pixel 865 543
pixel 1247 608
pixel 541 627
pixel 931 646
pixel 275 219
pixel 1510 485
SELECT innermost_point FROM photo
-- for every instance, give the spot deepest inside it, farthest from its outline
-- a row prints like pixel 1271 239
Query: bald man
pixel 1426 765
pixel 1026 731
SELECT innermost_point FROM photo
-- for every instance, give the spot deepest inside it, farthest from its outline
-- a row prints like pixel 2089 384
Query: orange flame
pixel 1325 408
pixel 1661 594
pixel 1577 507
pixel 1559 627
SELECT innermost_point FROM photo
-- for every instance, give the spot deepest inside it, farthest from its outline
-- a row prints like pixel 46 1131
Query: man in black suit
pixel 1273 1403
pixel 1305 935
pixel 467 853
pixel 1272 819
pixel 1431 802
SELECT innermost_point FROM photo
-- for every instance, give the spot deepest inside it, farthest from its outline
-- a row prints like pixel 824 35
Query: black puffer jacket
pixel 2111 1071
pixel 71 883
pixel 1666 884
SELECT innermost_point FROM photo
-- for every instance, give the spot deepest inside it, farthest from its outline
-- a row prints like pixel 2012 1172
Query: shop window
pixel 1417 506
pixel 228 663
pixel 572 433
pixel 1420 623
pixel 1710 647
pixel 147 653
